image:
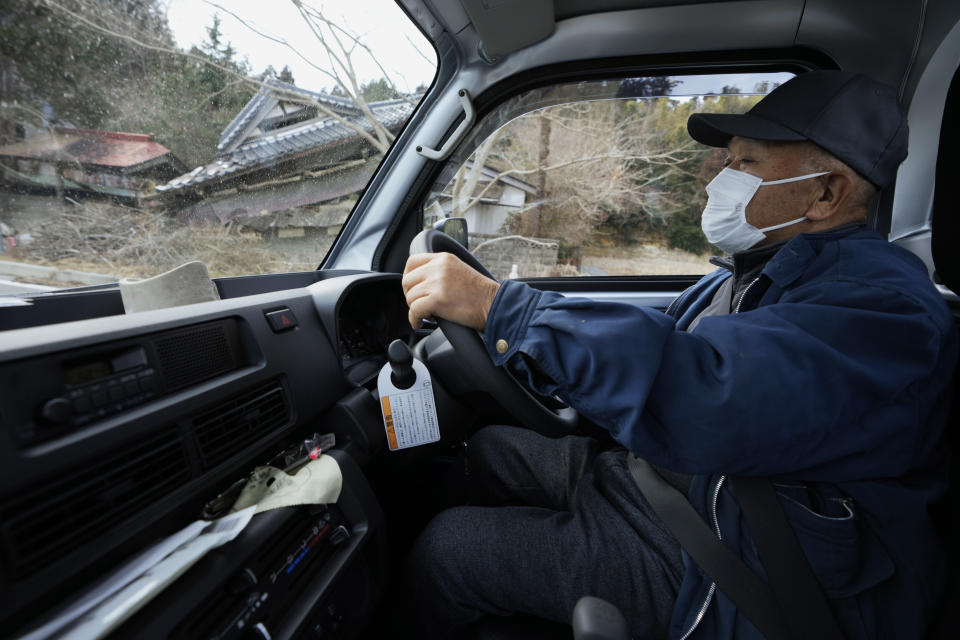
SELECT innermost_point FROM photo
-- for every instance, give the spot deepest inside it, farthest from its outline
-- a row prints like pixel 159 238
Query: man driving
pixel 819 356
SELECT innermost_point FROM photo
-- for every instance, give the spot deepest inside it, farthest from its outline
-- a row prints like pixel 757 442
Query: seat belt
pixel 780 610
pixel 795 586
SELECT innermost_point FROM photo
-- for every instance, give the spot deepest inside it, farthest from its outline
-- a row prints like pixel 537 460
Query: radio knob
pixel 56 410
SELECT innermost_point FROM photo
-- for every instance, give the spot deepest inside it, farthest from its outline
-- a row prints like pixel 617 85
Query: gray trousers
pixel 555 519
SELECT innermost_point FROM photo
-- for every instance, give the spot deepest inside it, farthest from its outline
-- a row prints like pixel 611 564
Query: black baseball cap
pixel 853 117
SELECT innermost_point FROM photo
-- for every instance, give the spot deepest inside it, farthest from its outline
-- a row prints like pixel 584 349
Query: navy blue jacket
pixel 833 380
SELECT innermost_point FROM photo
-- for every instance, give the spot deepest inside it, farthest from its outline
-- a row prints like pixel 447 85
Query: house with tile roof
pixel 501 196
pixel 87 162
pixel 287 148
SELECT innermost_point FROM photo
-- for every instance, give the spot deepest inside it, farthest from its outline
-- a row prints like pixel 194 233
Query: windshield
pixel 139 135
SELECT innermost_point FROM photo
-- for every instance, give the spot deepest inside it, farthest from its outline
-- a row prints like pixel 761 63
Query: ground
pixel 646 259
pixel 80 243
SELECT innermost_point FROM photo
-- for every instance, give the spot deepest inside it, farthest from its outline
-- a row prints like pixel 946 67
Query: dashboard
pixel 117 430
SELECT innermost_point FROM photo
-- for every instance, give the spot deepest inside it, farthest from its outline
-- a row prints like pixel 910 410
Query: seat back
pixel 947 515
pixel 946 259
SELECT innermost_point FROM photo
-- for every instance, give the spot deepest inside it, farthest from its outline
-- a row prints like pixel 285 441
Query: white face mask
pixel 724 220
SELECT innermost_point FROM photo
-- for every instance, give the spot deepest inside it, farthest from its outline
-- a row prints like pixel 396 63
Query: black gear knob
pixel 401 363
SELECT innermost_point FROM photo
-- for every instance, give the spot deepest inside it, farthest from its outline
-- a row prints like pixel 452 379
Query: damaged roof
pixel 271 92
pixel 243 147
pixel 124 151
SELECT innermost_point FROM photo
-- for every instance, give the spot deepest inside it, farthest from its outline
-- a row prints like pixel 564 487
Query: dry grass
pixel 645 259
pixel 124 242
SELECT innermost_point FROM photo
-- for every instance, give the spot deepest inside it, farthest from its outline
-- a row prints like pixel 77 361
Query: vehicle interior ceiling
pixel 221 390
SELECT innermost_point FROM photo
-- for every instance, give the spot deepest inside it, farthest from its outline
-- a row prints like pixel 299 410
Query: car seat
pixel 946 259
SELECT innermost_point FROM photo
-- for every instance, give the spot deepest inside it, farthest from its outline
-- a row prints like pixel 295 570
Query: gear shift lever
pixel 402 374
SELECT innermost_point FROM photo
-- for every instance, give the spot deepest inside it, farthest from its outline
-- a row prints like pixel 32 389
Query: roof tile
pixel 272 147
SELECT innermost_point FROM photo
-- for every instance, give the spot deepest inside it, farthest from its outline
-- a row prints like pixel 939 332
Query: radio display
pixel 86 372
pixel 79 372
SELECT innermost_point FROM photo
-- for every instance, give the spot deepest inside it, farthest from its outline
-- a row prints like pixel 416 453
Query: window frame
pixel 499 95
pixel 391 250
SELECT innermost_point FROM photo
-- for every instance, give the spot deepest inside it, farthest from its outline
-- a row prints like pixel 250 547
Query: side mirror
pixel 456 228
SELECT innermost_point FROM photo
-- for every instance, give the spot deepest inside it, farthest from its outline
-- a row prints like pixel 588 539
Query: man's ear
pixel 833 197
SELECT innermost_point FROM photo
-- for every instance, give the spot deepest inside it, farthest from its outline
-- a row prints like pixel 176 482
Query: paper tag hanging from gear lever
pixel 406 400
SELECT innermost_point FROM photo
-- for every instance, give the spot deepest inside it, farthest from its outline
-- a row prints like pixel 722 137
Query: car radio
pixel 71 389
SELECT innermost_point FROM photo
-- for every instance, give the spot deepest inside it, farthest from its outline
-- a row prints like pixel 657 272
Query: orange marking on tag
pixel 388 420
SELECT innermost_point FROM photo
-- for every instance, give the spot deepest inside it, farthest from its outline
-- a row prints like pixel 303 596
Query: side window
pixel 592 178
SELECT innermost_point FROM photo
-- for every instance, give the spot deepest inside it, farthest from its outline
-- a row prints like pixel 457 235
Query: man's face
pixel 777 203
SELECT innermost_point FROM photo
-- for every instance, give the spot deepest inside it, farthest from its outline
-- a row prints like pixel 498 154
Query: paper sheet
pixel 409 415
pixel 88 603
pixel 317 482
pixel 113 611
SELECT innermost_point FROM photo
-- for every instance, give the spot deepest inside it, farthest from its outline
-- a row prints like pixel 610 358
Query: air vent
pixel 235 424
pixel 43 526
pixel 194 355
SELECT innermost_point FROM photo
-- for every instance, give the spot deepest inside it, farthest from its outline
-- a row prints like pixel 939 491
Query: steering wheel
pixel 467 343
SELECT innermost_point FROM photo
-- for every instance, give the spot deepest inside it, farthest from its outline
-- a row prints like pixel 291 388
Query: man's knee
pixel 504 467
pixel 437 555
pixel 488 445
pixel 490 439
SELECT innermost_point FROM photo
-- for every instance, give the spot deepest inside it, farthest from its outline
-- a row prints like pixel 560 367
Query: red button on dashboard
pixel 281 320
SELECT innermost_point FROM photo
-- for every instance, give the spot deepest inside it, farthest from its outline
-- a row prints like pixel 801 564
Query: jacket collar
pixel 744 264
pixel 793 258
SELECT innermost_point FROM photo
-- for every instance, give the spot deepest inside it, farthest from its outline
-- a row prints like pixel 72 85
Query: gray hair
pixel 816 159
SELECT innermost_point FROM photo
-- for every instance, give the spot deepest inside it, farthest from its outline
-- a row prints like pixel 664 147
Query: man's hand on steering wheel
pixel 442 285
pixel 444 280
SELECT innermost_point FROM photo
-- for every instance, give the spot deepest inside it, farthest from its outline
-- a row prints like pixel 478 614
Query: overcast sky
pixel 400 46
pixel 698 85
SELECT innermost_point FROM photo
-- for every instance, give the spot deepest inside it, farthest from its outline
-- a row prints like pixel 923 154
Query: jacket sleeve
pixel 797 386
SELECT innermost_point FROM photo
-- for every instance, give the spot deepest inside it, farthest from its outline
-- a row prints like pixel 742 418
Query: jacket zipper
pixel 713 585
pixel 716 521
pixel 744 294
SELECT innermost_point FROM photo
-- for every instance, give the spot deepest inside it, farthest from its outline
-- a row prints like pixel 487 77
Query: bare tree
pixel 465 193
pixel 342 48
pixel 585 159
